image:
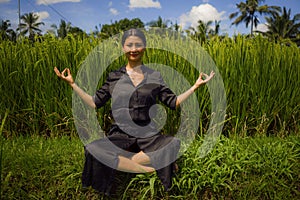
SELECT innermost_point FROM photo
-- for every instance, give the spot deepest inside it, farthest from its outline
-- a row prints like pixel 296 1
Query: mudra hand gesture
pixel 204 78
pixel 69 79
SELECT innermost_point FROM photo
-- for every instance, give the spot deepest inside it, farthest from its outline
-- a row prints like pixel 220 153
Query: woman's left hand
pixel 204 78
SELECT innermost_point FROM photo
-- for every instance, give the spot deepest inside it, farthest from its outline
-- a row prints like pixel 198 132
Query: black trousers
pixel 101 159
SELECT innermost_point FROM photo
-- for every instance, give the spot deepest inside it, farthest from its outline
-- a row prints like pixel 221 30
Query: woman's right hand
pixel 68 78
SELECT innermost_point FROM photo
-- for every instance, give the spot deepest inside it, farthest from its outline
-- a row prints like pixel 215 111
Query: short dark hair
pixel 134 32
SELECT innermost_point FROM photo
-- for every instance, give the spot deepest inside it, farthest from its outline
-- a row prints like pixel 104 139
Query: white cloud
pixel 204 12
pixel 113 11
pixel 42 15
pixel 144 4
pixel 47 2
pixel 261 27
pixel 4 1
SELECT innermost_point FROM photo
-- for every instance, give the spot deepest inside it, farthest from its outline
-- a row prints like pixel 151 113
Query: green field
pixel 257 157
pixel 237 168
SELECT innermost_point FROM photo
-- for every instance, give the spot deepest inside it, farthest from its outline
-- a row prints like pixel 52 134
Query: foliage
pixel 203 32
pixel 109 30
pixel 248 13
pixel 159 23
pixel 248 168
pixel 260 78
pixel 30 25
pixel 6 32
pixel 37 101
pixel 248 10
pixel 66 28
pixel 283 27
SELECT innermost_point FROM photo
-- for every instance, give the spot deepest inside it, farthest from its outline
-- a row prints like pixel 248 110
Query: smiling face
pixel 134 48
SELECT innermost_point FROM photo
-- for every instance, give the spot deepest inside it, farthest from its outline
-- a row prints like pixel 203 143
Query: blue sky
pixel 87 14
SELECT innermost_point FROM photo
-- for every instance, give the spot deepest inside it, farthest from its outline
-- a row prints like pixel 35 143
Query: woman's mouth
pixel 134 54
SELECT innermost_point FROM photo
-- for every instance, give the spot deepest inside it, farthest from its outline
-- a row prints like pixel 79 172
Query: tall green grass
pixel 262 82
pixel 38 102
pixel 261 79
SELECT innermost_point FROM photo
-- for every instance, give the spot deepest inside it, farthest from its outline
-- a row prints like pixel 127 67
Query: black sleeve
pixel 166 95
pixel 102 95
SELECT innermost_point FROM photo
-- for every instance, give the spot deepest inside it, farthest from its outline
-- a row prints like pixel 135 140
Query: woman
pixel 145 86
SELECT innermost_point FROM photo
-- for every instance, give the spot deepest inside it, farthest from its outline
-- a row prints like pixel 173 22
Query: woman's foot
pixel 141 158
pixel 128 165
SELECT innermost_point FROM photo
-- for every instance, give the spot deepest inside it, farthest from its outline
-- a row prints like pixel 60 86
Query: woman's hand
pixel 68 78
pixel 204 78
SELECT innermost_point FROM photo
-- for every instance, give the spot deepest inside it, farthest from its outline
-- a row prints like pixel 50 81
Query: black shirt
pixel 131 104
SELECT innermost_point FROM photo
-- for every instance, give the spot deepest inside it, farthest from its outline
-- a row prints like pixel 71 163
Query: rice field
pixel 261 80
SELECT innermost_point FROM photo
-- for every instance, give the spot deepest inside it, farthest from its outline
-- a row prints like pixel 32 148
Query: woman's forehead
pixel 133 39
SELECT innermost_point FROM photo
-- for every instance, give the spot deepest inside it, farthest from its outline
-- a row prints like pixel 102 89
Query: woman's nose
pixel 133 48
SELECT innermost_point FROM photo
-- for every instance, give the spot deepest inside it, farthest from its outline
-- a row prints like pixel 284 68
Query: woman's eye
pixel 136 45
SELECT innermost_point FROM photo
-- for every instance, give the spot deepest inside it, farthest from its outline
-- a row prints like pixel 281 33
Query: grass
pixel 248 168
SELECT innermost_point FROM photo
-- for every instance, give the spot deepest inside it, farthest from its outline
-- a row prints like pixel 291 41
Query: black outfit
pixel 132 130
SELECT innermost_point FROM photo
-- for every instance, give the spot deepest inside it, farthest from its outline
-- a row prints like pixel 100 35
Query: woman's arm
pixel 200 81
pixel 88 99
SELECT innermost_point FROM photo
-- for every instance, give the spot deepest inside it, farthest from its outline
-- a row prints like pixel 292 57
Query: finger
pixel 201 74
pixel 57 71
pixel 68 71
pixel 63 72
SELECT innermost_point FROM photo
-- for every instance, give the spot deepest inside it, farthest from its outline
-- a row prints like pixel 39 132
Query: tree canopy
pixel 248 13
pixel 279 23
pixel 282 26
pixel 109 30
pixel 30 25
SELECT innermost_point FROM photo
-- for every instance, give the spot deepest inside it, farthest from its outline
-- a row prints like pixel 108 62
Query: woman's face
pixel 134 48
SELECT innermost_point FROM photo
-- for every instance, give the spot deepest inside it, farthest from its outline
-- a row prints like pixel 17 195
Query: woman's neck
pixel 133 65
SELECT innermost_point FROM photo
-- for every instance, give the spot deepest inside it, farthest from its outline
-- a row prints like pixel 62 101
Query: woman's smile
pixel 134 54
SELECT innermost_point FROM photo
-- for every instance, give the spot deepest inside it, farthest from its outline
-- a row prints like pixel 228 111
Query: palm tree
pixel 159 23
pixel 248 10
pixel 175 26
pixel 6 32
pixel 63 29
pixel 30 25
pixel 281 26
pixel 216 30
pixel 108 30
pixel 200 33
